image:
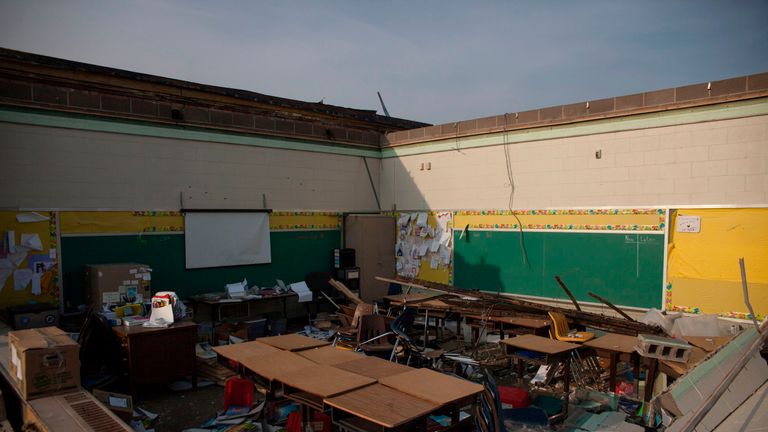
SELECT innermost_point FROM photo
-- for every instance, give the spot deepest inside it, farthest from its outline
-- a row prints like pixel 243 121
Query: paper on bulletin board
pixel 423 246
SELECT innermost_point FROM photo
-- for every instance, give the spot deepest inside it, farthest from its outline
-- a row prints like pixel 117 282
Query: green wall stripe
pixel 70 121
pixel 732 110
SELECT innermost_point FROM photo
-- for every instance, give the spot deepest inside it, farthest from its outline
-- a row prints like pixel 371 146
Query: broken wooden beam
pixel 568 293
pixel 346 291
pixel 610 305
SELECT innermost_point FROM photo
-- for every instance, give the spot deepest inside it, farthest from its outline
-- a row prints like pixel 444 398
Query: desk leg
pixel 567 384
pixel 426 327
pixel 650 378
pixel 520 369
pixel 614 358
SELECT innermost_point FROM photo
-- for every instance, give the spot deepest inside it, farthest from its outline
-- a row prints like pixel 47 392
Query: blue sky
pixel 433 61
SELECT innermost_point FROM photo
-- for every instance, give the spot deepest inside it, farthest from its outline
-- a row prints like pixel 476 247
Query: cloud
pixel 432 61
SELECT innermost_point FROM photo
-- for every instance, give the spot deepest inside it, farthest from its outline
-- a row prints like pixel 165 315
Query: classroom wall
pixel 705 163
pixel 52 167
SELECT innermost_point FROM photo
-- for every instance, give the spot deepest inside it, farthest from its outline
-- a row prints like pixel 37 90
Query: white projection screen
pixel 222 239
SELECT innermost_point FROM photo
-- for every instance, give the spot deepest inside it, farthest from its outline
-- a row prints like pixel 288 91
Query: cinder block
pixel 663 348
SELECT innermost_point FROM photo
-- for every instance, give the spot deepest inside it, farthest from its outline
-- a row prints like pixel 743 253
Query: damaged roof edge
pixel 246 95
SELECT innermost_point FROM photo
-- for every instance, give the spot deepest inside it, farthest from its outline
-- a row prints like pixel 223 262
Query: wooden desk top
pixel 329 355
pixel 292 342
pixel 277 363
pixel 532 323
pixel 432 386
pixel 382 405
pixel 539 344
pixel 373 367
pixel 614 342
pixel 137 330
pixel 235 352
pixel 323 380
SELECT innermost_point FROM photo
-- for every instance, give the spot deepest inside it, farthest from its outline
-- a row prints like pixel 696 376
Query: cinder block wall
pixel 721 162
pixel 48 167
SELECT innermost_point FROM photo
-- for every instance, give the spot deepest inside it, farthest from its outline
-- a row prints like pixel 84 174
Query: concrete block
pixel 663 348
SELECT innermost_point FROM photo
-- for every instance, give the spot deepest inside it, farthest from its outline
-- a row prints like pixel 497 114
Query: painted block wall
pixel 49 167
pixel 723 162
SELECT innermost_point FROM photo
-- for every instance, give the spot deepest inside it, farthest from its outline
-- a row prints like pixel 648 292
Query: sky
pixel 432 61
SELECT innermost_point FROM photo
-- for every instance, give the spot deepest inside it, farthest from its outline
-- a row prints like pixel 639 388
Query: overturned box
pixel 43 360
pixel 663 348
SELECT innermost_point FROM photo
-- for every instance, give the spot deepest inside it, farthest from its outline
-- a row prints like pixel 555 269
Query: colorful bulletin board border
pixel 569 219
pixel 304 220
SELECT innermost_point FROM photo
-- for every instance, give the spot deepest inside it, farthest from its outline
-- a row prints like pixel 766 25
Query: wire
pixel 511 178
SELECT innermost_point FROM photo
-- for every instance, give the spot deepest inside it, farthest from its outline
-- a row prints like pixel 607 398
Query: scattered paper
pixel 442 220
pixel 21 278
pixel 434 245
pixel 445 238
pixel 31 217
pixel 10 238
pixel 445 255
pixel 5 263
pixel 434 262
pixel 423 247
pixel 421 219
pixel 52 253
pixel 40 263
pixel 403 220
pixel 17 258
pixel 237 290
pixel 541 374
pixel 36 284
pixel 32 241
pixel 302 290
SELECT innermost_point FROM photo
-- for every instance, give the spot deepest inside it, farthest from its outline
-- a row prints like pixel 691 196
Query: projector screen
pixel 220 239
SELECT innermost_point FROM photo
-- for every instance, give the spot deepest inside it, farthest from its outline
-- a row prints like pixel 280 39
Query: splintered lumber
pixel 568 293
pixel 610 305
pixel 214 371
pixel 344 290
pixel 486 303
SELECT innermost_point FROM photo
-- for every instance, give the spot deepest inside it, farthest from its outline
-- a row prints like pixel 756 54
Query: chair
pixel 491 417
pixel 373 337
pixel 410 350
pixel 563 333
pixel 347 335
pixel 238 392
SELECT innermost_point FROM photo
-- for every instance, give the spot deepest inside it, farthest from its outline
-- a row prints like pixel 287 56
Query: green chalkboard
pixel 626 269
pixel 294 255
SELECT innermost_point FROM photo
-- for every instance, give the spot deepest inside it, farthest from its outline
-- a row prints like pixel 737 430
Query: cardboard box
pixel 120 404
pixel 33 316
pixel 108 283
pixel 43 360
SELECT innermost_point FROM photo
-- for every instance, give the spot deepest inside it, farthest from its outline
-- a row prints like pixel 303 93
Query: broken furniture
pixel 159 355
pixel 373 336
pixel 507 325
pixel 563 333
pixel 542 351
pixel 612 346
pixel 347 334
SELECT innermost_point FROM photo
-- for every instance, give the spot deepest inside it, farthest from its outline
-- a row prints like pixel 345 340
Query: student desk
pixel 373 367
pixel 313 384
pixel 613 345
pixel 542 351
pixel 238 308
pixel 377 407
pixel 515 325
pixel 159 355
pixel 329 355
pixel 292 342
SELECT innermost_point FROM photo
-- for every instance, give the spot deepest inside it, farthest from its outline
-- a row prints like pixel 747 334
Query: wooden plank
pixel 271 365
pixel 614 342
pixel 373 367
pixel 346 291
pixel 432 386
pixel 708 344
pixel 382 405
pixel 235 352
pixel 292 342
pixel 539 344
pixel 323 380
pixel 400 299
pixel 329 355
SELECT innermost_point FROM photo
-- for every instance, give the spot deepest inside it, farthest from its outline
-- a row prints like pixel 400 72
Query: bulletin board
pixel 31 275
pixel 703 274
pixel 615 253
pixel 422 250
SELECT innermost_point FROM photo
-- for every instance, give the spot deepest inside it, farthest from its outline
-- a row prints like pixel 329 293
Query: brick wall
pixel 712 163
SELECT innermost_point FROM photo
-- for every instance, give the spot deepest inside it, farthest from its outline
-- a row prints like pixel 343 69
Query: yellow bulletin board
pixel 576 219
pixel 703 272
pixel 46 269
pixel 443 273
